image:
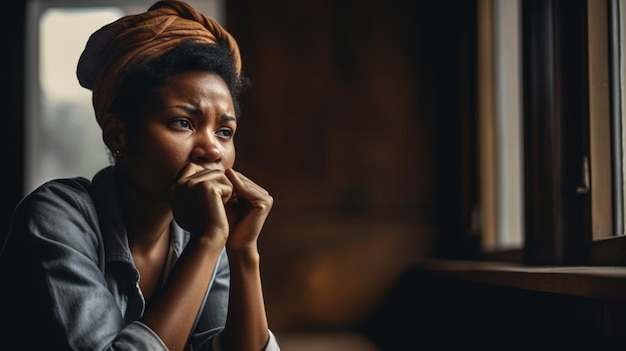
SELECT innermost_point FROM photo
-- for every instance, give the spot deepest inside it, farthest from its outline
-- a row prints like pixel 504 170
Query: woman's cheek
pixel 230 157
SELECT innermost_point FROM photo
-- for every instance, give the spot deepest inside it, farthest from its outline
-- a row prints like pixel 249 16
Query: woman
pixel 159 250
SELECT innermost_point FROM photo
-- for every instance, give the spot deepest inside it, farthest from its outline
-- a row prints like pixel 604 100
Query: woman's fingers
pixel 244 186
pixel 249 211
pixel 228 200
pixel 198 199
pixel 209 182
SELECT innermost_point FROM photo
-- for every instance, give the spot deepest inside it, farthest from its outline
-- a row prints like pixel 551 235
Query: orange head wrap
pixel 132 39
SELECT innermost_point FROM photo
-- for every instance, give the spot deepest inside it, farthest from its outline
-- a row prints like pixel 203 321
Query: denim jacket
pixel 69 281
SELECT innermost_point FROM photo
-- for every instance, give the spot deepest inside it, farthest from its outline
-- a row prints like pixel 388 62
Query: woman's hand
pixel 198 200
pixel 247 209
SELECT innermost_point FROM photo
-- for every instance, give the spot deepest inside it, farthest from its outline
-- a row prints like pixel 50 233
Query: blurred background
pixel 356 123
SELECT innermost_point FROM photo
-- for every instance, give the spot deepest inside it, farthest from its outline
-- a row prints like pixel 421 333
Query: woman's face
pixel 189 120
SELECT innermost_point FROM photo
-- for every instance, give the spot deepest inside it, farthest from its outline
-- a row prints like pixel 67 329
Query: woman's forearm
pixel 173 314
pixel 246 323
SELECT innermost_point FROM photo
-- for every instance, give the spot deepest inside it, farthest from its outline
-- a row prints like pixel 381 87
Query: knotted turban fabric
pixel 133 39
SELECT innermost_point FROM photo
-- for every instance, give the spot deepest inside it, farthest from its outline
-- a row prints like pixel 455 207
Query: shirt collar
pixel 114 235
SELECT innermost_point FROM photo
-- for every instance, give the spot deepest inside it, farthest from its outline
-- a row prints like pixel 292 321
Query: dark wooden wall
pixel 356 123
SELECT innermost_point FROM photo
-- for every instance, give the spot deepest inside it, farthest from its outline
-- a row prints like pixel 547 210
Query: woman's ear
pixel 114 133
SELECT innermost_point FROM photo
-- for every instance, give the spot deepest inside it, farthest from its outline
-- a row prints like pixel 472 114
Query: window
pixel 62 116
pixel 551 130
pixel 62 137
pixel 609 243
pixel 500 125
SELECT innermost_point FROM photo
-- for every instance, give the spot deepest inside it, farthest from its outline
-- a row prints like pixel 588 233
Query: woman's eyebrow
pixel 188 108
pixel 195 110
pixel 228 118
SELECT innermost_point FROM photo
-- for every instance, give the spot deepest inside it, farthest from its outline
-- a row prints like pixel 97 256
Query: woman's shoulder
pixel 71 191
pixel 58 214
pixel 63 192
pixel 71 185
pixel 61 203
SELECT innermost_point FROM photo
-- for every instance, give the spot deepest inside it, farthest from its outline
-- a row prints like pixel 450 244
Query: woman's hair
pixel 143 80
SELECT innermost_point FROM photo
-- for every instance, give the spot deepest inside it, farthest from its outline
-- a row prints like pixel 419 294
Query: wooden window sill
pixel 587 281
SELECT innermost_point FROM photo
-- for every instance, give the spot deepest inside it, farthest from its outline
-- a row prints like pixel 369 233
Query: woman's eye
pixel 225 133
pixel 182 123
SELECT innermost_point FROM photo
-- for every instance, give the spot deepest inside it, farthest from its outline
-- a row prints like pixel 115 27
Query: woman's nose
pixel 207 148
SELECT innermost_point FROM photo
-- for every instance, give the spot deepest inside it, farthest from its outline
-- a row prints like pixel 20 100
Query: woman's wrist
pixel 246 256
pixel 208 242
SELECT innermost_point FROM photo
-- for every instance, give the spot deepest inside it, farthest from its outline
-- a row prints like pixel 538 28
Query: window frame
pixel 569 182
